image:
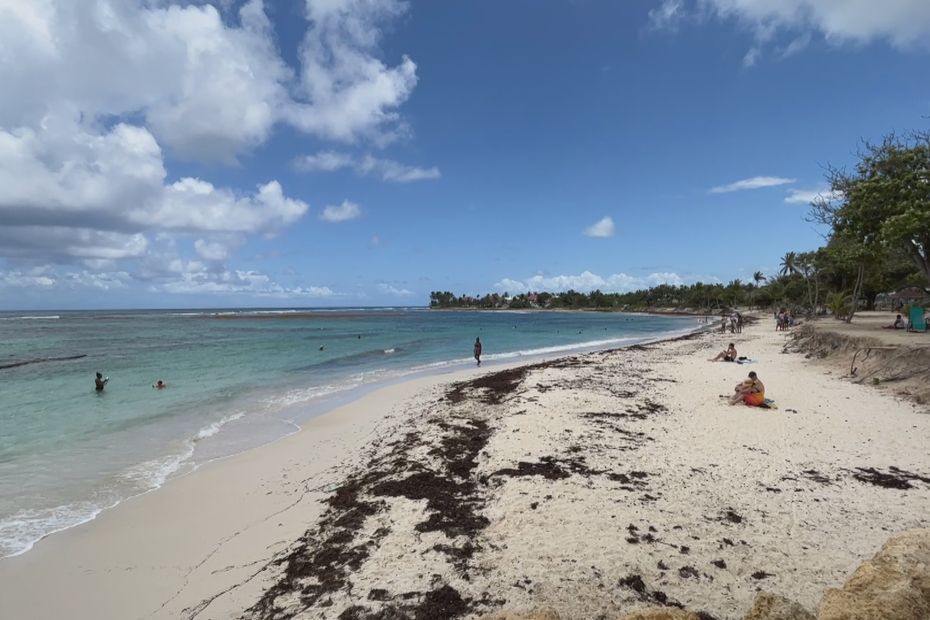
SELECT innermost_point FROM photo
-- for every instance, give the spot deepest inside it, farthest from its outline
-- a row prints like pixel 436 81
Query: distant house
pixel 893 301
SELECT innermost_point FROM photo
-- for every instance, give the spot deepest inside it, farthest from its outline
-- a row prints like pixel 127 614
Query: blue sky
pixel 366 152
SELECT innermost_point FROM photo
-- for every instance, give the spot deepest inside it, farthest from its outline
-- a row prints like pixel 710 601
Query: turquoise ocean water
pixel 237 379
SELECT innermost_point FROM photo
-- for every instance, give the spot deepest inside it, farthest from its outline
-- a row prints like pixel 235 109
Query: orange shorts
pixel 754 400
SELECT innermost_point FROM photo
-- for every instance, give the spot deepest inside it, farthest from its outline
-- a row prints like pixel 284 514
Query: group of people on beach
pixel 100 382
pixel 734 322
pixel 783 320
pixel 750 391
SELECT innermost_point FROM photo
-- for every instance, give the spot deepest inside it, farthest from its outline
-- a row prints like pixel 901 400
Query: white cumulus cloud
pixel 47 278
pixel 211 250
pixel 387 169
pixel 324 161
pixel 389 289
pixel 655 279
pixel 99 96
pixel 194 279
pixel 667 15
pixel 905 24
pixel 108 189
pixel 586 281
pixel 341 213
pixel 751 183
pixel 604 227
pixel 206 87
pixel 390 170
pixel 346 92
pixel 807 196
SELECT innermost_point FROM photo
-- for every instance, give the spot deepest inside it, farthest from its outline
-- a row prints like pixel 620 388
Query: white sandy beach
pixel 594 485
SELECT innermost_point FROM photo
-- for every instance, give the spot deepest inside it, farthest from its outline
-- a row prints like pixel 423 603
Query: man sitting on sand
pixel 727 355
pixel 751 392
pixel 898 323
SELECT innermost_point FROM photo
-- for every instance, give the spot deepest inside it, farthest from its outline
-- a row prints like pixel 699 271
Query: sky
pixel 307 153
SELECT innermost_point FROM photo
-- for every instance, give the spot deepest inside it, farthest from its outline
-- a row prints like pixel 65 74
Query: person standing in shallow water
pixel 478 350
pixel 100 382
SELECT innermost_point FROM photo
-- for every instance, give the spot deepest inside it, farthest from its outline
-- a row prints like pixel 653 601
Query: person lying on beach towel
pixel 751 392
pixel 727 355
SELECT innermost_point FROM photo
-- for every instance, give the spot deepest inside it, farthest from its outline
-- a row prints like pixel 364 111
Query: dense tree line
pixel 878 241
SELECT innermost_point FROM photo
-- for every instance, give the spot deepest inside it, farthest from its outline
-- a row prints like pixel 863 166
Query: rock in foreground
pixel 893 585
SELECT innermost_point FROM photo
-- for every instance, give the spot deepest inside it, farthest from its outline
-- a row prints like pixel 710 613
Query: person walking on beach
pixel 478 350
pixel 100 382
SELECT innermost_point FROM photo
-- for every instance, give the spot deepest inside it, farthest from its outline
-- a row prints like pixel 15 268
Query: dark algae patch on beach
pixel 894 478
pixel 642 592
pixel 493 387
pixel 320 563
pixel 315 572
pixel 451 494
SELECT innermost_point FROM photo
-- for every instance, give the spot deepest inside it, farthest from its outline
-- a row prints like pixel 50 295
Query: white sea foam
pixel 31 317
pixel 21 531
pixel 213 429
pixel 297 396
pixel 390 350
pixel 154 473
pixel 270 311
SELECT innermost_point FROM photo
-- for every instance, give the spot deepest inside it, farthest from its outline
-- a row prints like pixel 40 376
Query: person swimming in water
pixel 478 350
pixel 100 382
pixel 159 384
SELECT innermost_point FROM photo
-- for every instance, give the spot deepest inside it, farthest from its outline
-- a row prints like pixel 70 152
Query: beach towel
pixel 768 403
pixel 917 319
pixel 745 360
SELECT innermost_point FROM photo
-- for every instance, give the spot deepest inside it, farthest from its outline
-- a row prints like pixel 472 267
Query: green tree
pixel 886 201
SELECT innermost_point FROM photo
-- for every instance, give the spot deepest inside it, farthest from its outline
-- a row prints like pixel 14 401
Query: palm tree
pixel 789 264
pixel 757 278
